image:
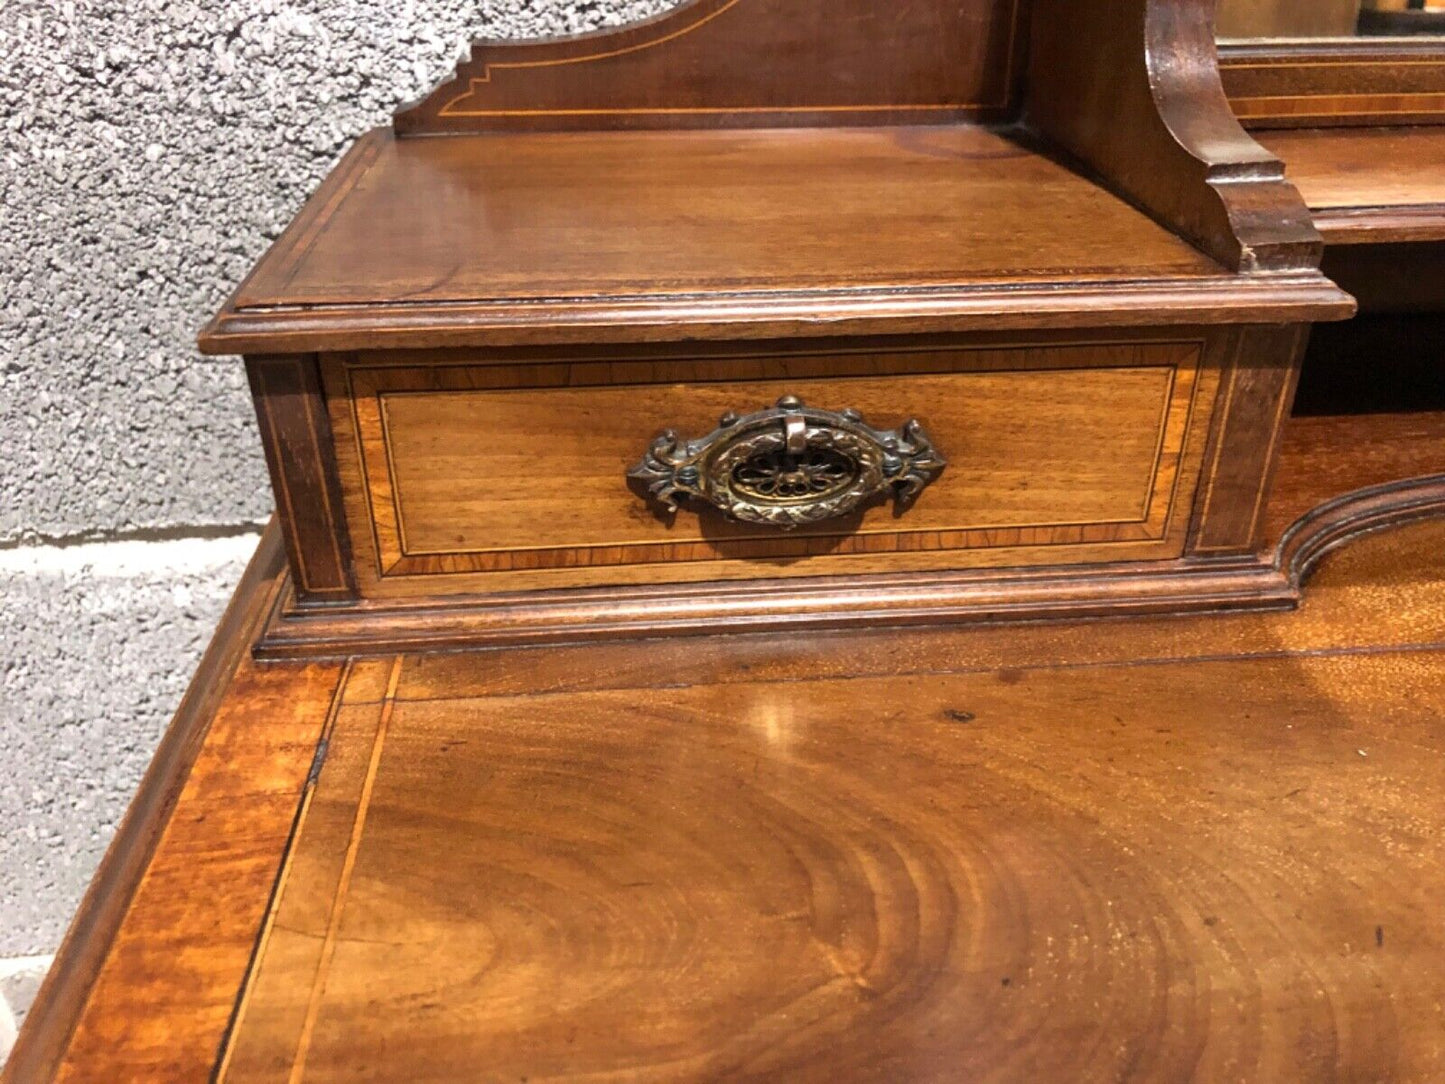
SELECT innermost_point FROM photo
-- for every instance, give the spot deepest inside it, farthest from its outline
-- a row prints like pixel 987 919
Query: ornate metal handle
pixel 790 465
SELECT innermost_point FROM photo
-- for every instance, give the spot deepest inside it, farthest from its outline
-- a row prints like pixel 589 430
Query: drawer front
pixel 469 476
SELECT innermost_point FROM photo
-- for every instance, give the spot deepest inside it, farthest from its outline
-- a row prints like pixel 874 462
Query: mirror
pixel 1308 19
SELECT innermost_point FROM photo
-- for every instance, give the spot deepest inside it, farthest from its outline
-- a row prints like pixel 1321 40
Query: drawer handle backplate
pixel 791 465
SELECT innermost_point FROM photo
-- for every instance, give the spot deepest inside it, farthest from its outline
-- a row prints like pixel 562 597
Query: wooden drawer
pixel 469 474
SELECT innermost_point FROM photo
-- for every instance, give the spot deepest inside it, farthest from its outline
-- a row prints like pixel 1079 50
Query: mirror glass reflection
pixel 1255 19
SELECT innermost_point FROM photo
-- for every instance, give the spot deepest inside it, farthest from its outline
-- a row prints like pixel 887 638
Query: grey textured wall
pixel 104 644
pixel 150 150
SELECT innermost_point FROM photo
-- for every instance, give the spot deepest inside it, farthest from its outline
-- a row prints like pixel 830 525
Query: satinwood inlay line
pixel 452 108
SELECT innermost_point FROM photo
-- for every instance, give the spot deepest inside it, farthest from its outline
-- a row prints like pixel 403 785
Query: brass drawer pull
pixel 790 464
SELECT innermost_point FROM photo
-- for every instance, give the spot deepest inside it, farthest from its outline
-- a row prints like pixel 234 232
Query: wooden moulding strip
pixel 1305 297
pixel 1173 587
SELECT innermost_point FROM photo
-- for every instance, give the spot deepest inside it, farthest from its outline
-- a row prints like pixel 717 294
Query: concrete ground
pixel 150 150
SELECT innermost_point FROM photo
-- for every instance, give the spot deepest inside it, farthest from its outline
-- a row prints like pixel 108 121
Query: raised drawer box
pixel 479 496
pixel 713 323
pixel 472 474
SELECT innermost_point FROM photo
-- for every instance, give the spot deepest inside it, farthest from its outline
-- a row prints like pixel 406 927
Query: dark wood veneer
pixel 1254 405
pixel 1143 108
pixel 296 434
pixel 1346 84
pixel 745 63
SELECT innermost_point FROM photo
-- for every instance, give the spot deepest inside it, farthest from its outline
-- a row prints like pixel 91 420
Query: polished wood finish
pixel 596 237
pixel 637 844
pixel 574 291
pixel 579 236
pixel 234 719
pixel 1369 185
pixel 1324 457
pixel 629 215
pixel 296 435
pixel 1346 84
pixel 1142 107
pixel 745 63
pixel 473 477
pixel 1254 404
pixel 1401 479
pixel 893 855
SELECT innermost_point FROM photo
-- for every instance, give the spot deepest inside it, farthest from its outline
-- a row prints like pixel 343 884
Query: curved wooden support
pixel 744 63
pixel 1131 88
pixel 1353 515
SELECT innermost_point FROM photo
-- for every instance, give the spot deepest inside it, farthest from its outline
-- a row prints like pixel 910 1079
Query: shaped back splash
pixel 746 63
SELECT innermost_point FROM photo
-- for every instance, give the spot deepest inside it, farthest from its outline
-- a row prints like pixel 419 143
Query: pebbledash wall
pixel 150 150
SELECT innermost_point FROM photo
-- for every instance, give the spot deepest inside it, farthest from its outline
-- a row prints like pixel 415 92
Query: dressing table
pixel 707 455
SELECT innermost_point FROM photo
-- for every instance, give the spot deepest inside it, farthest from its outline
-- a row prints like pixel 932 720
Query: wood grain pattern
pixel 1372 586
pixel 242 737
pixel 300 453
pixel 736 63
pixel 1131 88
pixel 451 458
pixel 1092 213
pixel 1379 599
pixel 1369 185
pixel 234 813
pixel 1323 457
pixel 1324 461
pixel 1348 84
pixel 1254 405
pixel 590 238
pixel 1207 870
pixel 618 214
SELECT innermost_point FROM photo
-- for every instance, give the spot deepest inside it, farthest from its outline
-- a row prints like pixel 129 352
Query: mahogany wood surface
pixel 614 214
pixel 1234 559
pixel 1347 84
pixel 1368 185
pixel 1131 88
pixel 233 741
pixel 301 456
pixel 616 236
pixel 1125 196
pixel 1182 850
pixel 495 477
pixel 1159 850
pixel 1324 457
pixel 745 63
pixel 1337 478
pixel 1254 403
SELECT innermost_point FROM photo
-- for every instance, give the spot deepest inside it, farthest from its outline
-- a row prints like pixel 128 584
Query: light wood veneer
pixel 494 477
pixel 1187 848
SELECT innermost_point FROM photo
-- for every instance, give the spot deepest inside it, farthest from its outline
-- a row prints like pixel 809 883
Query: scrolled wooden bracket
pixel 1132 89
pixel 790 465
